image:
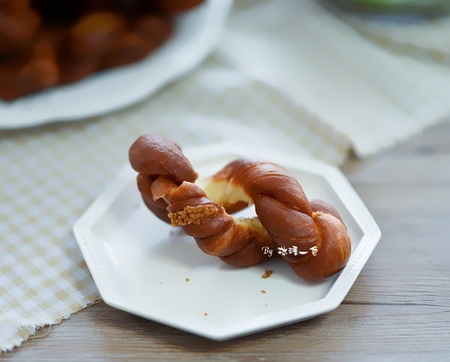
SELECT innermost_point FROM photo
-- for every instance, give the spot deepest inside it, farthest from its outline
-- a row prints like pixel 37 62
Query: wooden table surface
pixel 398 309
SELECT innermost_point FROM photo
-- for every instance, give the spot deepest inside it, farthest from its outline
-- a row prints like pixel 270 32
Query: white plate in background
pixel 148 268
pixel 197 32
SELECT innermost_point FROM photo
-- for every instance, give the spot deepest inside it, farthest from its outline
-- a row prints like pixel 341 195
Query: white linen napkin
pixel 372 95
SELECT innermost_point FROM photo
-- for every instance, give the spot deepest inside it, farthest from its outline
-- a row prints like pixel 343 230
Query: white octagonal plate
pixel 148 268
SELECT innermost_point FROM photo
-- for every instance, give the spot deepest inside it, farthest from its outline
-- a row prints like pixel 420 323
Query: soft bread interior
pixel 252 223
pixel 224 193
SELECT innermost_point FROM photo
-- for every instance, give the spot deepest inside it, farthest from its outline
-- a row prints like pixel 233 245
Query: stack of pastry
pixel 44 43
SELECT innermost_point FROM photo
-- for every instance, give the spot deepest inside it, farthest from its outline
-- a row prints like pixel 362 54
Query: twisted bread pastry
pixel 310 236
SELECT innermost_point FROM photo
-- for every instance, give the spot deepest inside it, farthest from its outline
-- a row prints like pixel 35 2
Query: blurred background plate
pixel 196 36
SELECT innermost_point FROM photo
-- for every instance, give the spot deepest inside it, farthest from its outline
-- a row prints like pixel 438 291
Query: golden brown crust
pixel 157 156
pixel 325 207
pixel 215 231
pixel 159 159
pixel 333 254
pixel 310 236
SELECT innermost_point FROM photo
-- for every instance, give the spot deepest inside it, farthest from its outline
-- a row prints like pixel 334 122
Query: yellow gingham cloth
pixel 50 174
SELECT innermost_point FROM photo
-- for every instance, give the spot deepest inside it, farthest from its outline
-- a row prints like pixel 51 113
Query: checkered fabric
pixel 50 174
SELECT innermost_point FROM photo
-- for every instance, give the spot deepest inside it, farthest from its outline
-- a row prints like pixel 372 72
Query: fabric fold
pixel 375 97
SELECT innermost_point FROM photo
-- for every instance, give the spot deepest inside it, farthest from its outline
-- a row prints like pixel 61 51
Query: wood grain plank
pixel 398 309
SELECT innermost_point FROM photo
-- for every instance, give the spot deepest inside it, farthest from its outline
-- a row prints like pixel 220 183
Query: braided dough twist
pixel 312 231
